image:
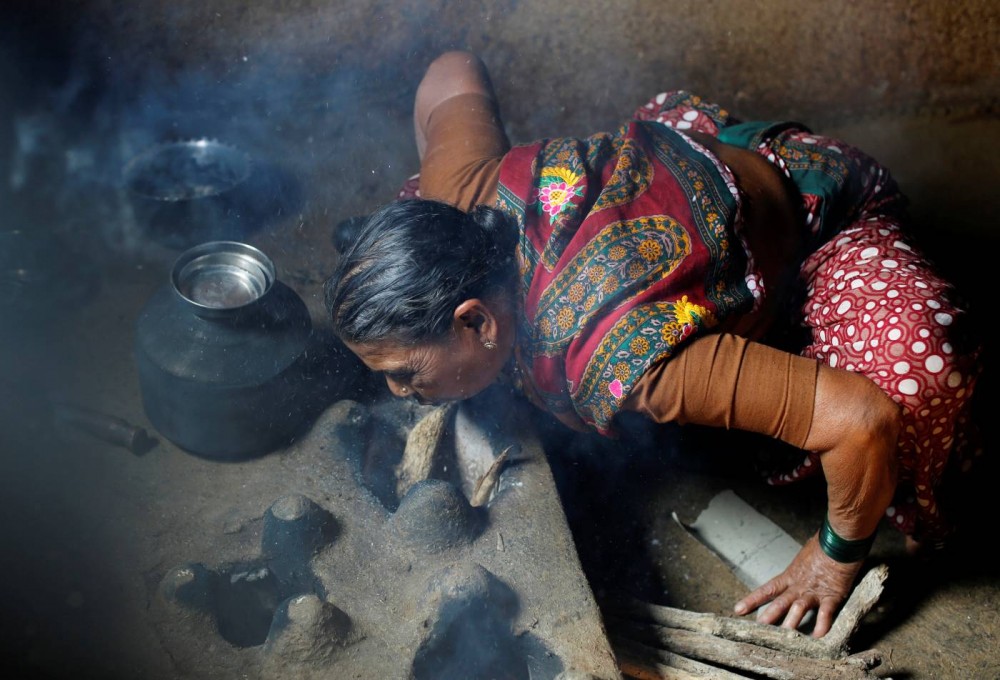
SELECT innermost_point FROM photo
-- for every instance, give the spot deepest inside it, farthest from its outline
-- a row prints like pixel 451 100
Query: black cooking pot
pixel 220 351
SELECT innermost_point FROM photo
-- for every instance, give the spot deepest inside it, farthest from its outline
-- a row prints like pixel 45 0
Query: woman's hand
pixel 812 581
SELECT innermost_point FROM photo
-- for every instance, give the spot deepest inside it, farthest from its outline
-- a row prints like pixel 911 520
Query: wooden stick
pixel 421 448
pixel 643 662
pixel 864 597
pixel 834 645
pixel 644 670
pixel 484 487
pixel 744 656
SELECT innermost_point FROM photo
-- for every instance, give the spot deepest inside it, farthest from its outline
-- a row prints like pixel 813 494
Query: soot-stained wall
pixel 777 57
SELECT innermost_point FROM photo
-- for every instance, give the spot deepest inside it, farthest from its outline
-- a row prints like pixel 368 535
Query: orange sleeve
pixel 724 380
pixel 465 144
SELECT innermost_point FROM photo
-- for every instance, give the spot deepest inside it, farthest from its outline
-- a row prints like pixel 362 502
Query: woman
pixel 656 269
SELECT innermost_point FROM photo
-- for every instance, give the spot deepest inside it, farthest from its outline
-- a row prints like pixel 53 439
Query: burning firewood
pixel 421 447
pixel 484 487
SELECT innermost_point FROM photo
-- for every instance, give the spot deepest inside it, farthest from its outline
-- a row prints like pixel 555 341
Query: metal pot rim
pixel 231 263
pixel 239 161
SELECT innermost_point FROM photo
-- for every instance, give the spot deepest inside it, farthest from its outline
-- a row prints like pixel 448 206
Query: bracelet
pixel 841 549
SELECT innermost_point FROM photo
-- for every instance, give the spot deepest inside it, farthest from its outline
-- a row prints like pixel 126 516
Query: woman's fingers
pixel 771 600
pixel 795 613
pixel 824 617
pixel 812 581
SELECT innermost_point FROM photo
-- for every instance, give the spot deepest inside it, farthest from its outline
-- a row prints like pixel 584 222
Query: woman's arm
pixel 451 74
pixel 459 133
pixel 854 427
pixel 726 381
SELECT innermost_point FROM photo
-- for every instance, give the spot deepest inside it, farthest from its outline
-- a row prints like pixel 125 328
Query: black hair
pixel 413 263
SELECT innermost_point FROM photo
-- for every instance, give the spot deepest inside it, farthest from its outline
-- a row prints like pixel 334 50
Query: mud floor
pixel 91 529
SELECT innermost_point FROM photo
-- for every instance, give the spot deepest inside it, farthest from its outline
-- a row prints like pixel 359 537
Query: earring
pixel 489 344
pixel 404 390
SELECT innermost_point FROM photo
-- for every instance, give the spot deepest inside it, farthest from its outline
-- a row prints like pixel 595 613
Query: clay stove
pixel 343 578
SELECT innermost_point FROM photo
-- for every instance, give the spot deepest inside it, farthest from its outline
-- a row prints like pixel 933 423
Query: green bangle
pixel 841 549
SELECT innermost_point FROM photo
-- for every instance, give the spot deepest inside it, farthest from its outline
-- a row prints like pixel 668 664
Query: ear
pixel 475 316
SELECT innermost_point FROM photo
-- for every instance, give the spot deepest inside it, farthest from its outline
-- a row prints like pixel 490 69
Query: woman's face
pixel 455 367
pixel 431 373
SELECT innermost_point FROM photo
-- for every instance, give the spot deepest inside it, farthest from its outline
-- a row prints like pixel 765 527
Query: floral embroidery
pixel 565 318
pixel 630 179
pixel 643 335
pixel 690 313
pixel 595 273
pixel 688 317
pixel 557 188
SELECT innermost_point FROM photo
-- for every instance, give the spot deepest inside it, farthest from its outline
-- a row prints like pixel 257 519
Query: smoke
pixel 76 263
pixel 326 143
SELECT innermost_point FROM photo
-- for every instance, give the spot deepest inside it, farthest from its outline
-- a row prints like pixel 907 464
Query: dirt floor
pixel 90 528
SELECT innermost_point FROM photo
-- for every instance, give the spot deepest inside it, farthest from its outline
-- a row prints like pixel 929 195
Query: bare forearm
pixel 855 427
pixel 726 381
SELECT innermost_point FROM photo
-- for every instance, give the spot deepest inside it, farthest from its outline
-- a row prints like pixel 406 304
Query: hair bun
pixel 496 227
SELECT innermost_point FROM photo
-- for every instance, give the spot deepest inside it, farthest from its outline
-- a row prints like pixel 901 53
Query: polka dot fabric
pixel 683 111
pixel 875 306
pixel 410 188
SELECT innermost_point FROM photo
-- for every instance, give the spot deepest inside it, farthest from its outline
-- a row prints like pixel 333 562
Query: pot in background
pixel 189 192
pixel 220 351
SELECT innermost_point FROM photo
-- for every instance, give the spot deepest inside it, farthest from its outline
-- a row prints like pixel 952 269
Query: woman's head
pixel 426 278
